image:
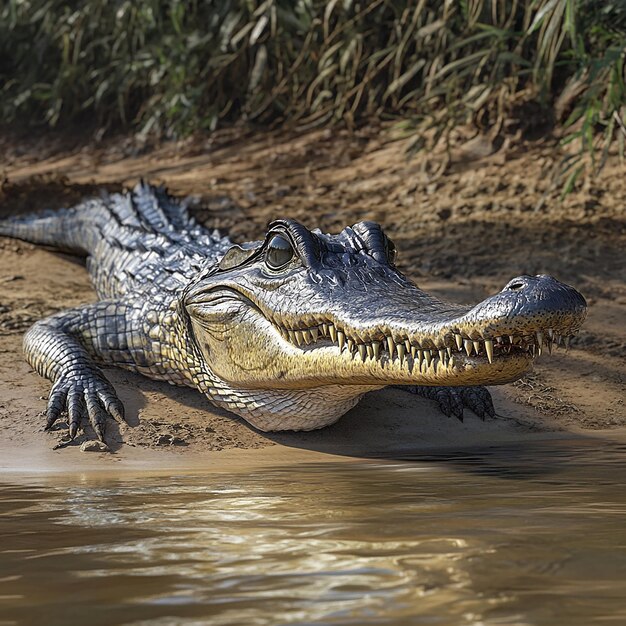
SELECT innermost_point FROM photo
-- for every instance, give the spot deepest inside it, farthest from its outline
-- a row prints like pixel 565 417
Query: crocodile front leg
pixel 453 400
pixel 67 348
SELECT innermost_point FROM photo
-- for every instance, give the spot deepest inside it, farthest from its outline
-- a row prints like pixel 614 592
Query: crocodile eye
pixel 279 252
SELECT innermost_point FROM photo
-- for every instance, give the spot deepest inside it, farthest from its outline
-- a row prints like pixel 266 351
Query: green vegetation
pixel 170 67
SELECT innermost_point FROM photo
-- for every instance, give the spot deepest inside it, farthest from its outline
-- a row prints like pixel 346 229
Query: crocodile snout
pixel 544 297
pixel 530 304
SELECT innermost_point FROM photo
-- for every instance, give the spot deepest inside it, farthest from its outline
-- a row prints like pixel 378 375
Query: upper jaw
pixel 537 313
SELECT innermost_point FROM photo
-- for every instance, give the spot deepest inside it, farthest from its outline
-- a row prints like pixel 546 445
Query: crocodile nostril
pixel 515 286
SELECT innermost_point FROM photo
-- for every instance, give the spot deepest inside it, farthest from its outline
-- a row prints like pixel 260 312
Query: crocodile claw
pixel 85 393
pixel 453 400
pixel 477 399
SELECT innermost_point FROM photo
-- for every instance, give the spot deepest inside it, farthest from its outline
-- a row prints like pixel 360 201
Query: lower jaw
pixel 460 372
pixel 329 364
pixel 464 371
pixel 501 371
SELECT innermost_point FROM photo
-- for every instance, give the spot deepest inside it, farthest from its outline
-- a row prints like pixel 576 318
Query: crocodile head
pixel 305 315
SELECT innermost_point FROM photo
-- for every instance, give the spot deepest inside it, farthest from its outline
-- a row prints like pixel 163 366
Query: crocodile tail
pixel 58 229
pixel 147 209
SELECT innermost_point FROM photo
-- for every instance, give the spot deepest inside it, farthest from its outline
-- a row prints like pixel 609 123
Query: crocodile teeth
pixel 376 349
pixel 333 332
pixel 489 350
pixel 401 352
pixel 459 342
pixel 341 340
pixel 468 345
pixel 413 355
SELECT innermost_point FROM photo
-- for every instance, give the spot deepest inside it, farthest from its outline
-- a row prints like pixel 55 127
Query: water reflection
pixel 498 536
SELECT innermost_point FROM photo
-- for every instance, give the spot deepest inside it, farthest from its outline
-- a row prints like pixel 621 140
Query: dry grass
pixel 168 67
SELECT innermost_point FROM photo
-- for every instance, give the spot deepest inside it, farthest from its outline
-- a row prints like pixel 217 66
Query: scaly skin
pixel 288 333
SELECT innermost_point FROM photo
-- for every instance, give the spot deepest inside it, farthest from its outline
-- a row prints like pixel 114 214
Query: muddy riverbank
pixel 464 224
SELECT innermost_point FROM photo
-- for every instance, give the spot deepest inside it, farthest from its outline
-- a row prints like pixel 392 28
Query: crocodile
pixel 287 333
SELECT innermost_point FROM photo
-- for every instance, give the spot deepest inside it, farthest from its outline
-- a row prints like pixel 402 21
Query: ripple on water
pixel 526 534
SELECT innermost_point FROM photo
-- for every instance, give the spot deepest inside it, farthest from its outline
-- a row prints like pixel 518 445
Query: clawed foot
pixel 452 400
pixel 85 393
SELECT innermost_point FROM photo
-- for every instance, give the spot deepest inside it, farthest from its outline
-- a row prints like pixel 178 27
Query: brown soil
pixel 464 223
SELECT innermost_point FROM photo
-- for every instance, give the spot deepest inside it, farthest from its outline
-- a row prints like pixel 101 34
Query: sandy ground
pixel 464 223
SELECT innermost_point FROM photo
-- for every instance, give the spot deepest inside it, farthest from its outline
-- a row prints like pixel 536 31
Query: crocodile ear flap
pixel 237 255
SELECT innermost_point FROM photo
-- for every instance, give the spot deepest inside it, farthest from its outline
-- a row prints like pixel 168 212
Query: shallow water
pixel 517 534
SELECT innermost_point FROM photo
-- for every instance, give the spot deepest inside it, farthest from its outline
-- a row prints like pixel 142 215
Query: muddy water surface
pixel 512 534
